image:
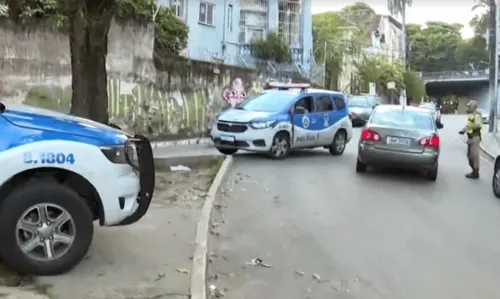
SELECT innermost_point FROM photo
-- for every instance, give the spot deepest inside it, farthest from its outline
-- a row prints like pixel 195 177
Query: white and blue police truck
pixel 59 174
pixel 283 118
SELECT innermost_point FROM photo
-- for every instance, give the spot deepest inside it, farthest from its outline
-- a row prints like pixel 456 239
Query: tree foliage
pixel 273 48
pixel 379 70
pixel 87 23
pixel 439 47
pixel 481 19
pixel 396 6
pixel 337 36
pixel 327 42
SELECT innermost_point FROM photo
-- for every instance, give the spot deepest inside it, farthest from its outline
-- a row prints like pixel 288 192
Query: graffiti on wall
pixel 238 90
pixel 143 107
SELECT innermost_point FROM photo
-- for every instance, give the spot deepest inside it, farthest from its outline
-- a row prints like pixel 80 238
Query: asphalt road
pixel 329 232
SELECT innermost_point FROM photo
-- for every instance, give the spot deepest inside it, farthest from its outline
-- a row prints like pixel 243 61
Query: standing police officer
pixel 473 129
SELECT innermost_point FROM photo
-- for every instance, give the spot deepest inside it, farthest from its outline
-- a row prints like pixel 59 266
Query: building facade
pixel 222 31
pixel 386 36
pixel 387 39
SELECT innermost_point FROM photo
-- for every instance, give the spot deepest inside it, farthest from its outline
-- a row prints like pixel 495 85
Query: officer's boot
pixel 473 175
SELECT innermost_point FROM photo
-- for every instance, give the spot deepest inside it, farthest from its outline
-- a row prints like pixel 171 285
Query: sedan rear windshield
pixel 403 119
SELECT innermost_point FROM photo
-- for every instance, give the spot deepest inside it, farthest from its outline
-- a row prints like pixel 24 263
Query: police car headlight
pixel 115 154
pixel 263 124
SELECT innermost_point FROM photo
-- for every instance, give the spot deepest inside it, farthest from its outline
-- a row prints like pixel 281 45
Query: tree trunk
pixel 89 25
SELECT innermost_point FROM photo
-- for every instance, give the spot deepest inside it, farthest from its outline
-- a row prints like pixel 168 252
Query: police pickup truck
pixel 60 173
pixel 283 118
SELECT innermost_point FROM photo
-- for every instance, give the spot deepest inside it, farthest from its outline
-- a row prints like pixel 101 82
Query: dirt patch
pixel 149 259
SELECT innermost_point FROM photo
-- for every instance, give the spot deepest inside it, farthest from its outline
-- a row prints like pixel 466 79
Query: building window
pixel 179 8
pixel 207 13
pixel 230 17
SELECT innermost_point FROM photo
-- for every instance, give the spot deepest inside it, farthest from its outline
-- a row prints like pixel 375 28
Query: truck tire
pixel 51 222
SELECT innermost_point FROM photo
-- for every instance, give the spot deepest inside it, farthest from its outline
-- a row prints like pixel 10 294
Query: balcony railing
pixel 285 69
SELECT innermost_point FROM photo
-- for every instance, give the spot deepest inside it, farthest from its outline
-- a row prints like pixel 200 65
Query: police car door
pixel 304 123
pixel 325 112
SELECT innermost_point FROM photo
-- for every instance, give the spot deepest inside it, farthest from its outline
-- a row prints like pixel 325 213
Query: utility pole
pixel 493 32
pixel 403 31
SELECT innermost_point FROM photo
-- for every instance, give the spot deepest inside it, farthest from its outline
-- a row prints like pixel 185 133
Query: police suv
pixel 286 117
pixel 60 173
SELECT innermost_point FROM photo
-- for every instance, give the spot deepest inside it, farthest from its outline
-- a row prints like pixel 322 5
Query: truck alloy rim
pixel 45 232
pixel 279 147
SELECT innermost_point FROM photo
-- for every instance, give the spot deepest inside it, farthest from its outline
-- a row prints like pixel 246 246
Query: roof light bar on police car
pixel 285 86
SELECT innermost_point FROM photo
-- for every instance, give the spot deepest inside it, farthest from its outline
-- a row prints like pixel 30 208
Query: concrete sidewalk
pixel 490 144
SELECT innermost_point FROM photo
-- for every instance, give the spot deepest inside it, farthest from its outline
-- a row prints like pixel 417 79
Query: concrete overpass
pixel 467 84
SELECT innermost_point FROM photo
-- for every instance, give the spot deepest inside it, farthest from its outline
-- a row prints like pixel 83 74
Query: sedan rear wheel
pixel 432 174
pixel 360 167
pixel 496 182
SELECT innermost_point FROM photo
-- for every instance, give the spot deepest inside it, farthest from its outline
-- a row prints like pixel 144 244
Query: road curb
pixel 199 269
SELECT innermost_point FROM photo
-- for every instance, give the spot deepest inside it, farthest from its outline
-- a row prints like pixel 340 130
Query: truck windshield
pixel 273 101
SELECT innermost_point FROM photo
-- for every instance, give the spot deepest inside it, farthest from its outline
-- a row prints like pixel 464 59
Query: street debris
pixel 258 262
pixel 215 292
pixel 182 270
pixel 179 168
pixel 160 276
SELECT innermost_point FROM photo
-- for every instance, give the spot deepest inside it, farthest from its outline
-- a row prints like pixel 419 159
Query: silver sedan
pixel 360 109
pixel 400 137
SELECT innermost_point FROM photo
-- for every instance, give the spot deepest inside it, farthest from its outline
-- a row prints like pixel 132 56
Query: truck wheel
pixel 338 144
pixel 46 229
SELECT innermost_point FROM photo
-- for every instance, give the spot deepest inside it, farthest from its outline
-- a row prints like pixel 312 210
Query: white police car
pixel 290 116
pixel 60 173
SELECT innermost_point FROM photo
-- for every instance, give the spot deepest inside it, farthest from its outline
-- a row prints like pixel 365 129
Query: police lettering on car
pixel 282 118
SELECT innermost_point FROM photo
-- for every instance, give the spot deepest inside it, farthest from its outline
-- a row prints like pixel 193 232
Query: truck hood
pixel 48 120
pixel 238 115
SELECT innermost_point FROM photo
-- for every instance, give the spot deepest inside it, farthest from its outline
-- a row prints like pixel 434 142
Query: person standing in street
pixel 473 128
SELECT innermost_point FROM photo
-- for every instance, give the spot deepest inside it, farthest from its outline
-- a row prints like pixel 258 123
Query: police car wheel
pixel 496 182
pixel 227 151
pixel 46 228
pixel 338 144
pixel 280 146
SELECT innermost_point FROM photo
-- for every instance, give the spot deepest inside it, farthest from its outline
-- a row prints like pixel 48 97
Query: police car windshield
pixel 358 102
pixel 404 119
pixel 272 101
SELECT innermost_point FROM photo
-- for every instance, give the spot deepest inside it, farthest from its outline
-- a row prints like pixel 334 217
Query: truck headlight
pixel 115 154
pixel 122 154
pixel 262 124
